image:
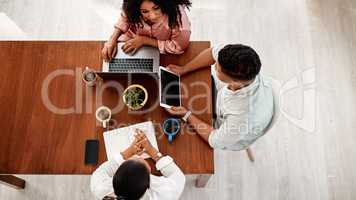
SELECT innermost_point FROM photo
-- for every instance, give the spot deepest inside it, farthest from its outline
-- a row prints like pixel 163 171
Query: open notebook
pixel 119 139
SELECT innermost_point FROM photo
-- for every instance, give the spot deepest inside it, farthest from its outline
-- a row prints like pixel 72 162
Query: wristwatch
pixel 186 116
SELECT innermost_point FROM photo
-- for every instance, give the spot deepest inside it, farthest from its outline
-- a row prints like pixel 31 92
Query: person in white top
pixel 129 177
pixel 244 102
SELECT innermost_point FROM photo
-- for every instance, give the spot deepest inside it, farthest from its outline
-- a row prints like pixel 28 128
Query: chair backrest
pixel 276 87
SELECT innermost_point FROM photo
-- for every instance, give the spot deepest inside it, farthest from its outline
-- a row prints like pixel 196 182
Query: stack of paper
pixel 120 139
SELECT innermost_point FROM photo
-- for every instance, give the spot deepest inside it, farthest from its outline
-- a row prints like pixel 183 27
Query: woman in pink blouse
pixel 159 23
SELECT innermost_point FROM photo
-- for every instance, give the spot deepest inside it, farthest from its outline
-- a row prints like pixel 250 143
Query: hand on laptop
pixel 109 51
pixel 179 70
pixel 131 46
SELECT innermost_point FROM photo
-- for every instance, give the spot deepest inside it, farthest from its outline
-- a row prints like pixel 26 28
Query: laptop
pixel 145 60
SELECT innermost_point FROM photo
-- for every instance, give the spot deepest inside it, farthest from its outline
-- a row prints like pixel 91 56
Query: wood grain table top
pixel 48 113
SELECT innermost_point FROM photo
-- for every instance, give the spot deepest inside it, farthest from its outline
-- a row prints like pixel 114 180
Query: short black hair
pixel 131 180
pixel 132 10
pixel 239 62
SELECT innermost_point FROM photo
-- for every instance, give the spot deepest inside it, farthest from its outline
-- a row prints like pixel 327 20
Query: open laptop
pixel 145 60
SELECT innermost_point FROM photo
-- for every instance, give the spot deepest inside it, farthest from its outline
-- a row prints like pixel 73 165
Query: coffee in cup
pixel 171 128
pixel 89 77
pixel 103 115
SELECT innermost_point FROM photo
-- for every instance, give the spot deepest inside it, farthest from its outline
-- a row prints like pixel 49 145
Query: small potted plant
pixel 135 96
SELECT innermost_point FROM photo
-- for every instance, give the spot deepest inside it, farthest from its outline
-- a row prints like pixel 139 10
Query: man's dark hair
pixel 132 10
pixel 131 180
pixel 240 62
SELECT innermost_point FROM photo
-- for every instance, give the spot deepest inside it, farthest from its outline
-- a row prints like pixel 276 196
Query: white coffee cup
pixel 103 115
pixel 89 77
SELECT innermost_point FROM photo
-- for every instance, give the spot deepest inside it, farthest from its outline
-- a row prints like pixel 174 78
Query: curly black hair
pixel 239 62
pixel 131 180
pixel 131 9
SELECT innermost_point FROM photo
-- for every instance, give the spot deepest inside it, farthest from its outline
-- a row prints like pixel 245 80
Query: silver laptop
pixel 145 60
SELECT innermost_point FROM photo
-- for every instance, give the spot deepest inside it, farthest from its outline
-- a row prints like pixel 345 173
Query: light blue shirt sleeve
pixel 232 130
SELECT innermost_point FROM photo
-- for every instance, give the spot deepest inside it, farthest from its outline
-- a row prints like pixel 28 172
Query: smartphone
pixel 91 152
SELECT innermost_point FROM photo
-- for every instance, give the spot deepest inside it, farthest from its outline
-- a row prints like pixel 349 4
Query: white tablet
pixel 169 88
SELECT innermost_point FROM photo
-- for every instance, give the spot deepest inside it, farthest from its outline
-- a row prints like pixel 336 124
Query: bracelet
pixel 186 116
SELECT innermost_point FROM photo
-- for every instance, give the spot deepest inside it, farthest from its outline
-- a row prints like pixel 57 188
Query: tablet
pixel 169 88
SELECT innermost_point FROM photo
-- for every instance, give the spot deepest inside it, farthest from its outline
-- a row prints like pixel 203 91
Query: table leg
pixel 13 181
pixel 202 180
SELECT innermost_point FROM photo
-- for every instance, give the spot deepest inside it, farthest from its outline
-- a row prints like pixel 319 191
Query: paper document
pixel 120 139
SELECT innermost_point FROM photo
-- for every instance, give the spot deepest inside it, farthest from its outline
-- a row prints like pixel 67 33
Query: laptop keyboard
pixel 131 65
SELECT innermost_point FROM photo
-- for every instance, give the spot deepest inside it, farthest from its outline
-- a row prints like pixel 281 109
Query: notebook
pixel 120 139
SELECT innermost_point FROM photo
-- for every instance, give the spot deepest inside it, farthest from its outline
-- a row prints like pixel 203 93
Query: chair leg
pixel 250 155
pixel 13 181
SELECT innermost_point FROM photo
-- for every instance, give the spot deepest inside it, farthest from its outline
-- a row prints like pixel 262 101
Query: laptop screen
pixel 170 88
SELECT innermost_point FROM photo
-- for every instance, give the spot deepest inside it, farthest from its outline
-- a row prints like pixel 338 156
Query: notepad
pixel 118 140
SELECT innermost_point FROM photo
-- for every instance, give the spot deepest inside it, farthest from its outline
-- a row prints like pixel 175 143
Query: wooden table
pixel 47 113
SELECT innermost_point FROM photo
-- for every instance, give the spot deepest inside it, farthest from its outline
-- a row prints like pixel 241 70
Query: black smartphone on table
pixel 91 152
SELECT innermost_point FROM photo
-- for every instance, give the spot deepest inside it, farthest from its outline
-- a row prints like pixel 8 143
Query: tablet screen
pixel 170 89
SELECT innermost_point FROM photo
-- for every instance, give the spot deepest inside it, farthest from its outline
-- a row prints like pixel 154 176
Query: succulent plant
pixel 134 97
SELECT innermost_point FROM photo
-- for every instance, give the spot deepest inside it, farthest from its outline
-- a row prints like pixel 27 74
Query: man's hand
pixel 142 140
pixel 134 149
pixel 177 111
pixel 179 70
pixel 145 144
pixel 131 46
pixel 109 50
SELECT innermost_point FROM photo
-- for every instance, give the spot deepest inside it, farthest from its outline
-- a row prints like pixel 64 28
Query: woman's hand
pixel 109 50
pixel 179 70
pixel 131 46
pixel 177 111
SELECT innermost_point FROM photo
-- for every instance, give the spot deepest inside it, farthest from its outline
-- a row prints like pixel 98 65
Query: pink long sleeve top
pixel 172 41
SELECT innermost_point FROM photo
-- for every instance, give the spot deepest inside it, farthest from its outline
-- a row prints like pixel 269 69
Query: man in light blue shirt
pixel 244 102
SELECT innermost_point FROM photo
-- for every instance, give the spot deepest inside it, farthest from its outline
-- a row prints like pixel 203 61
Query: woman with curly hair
pixel 163 24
